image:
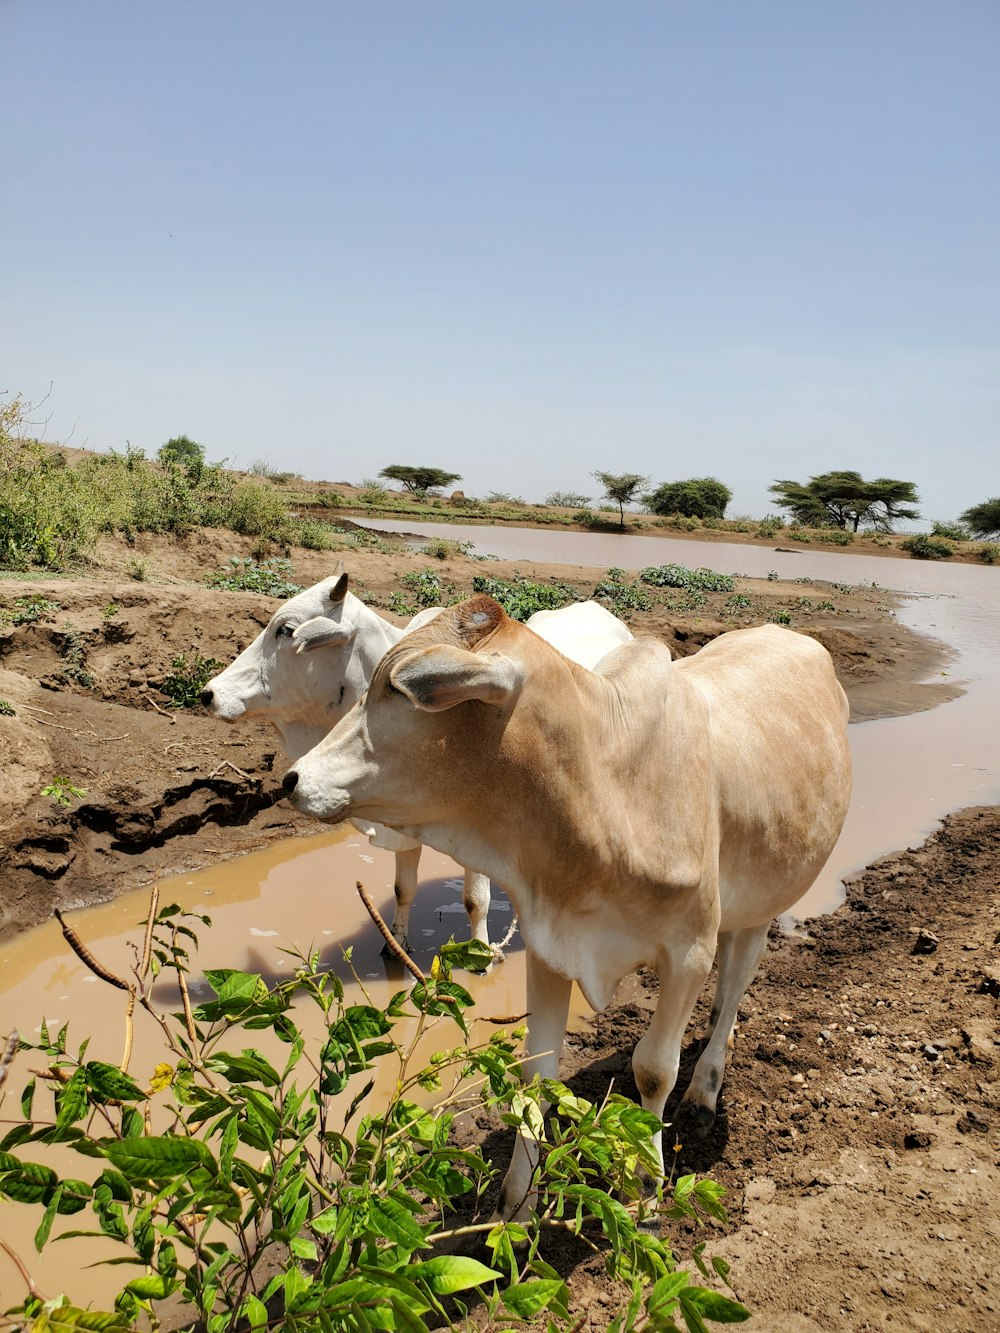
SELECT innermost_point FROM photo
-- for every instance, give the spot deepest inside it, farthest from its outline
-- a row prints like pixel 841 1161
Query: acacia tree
pixel 698 497
pixel 622 487
pixel 843 499
pixel 419 480
pixel 983 520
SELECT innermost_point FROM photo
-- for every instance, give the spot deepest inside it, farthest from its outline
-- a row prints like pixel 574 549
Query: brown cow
pixel 640 814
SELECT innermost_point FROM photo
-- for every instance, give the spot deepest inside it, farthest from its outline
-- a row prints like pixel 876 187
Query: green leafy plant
pixel 315 535
pixel 138 569
pixel 29 610
pixel 781 617
pixel 623 597
pixel 62 792
pixel 738 602
pixel 521 598
pixel 270 1191
pixel 989 553
pixel 110 611
pixel 679 576
pixel 188 677
pixel 772 576
pixel 272 577
pixel 426 587
pixel 7 709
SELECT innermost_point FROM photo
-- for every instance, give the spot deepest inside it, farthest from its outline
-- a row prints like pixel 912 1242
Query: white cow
pixel 641 814
pixel 311 665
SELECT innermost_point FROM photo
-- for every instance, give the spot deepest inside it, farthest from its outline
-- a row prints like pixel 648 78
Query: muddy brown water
pixel 300 894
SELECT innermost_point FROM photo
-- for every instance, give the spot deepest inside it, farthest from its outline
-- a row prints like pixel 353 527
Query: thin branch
pixel 85 956
pixel 7 1059
pixel 28 1279
pixel 394 945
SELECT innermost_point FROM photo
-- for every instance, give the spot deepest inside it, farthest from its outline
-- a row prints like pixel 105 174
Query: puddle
pixel 298 895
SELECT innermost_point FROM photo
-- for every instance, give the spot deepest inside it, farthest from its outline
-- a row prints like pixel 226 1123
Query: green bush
pixel 426 586
pixel 315 536
pixel 188 678
pixel 679 576
pixel 953 532
pixel 989 553
pixel 924 547
pixel 257 1204
pixel 521 598
pixel 29 610
pixel 833 536
pixel 442 549
pixel 781 617
pixel 272 577
pixel 621 596
pixel 7 709
pixel 738 602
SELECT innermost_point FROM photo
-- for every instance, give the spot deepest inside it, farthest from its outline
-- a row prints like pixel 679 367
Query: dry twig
pixel 393 944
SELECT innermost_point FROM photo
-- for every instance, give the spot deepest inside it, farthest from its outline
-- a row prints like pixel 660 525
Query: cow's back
pixel 781 762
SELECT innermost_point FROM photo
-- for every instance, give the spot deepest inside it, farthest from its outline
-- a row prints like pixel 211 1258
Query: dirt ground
pixel 859 1141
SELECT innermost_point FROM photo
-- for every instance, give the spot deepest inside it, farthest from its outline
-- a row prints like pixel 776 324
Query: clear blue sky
pixel 755 239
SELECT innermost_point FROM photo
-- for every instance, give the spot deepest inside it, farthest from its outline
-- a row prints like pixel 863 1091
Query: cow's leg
pixel 405 887
pixel 740 952
pixel 657 1056
pixel 476 897
pixel 548 1009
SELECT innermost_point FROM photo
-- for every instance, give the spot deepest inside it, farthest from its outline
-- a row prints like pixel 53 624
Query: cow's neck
pixel 598 796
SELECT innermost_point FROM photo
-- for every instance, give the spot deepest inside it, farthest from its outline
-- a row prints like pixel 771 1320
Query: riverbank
pixel 170 789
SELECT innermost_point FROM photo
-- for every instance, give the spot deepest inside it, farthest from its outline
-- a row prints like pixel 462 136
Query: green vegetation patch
pixel 521 598
pixel 188 678
pixel 679 576
pixel 271 577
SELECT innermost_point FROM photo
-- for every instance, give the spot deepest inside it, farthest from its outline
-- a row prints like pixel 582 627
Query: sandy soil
pixel 860 1138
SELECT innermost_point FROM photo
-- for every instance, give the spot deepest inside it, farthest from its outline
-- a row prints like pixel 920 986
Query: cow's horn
pixel 339 590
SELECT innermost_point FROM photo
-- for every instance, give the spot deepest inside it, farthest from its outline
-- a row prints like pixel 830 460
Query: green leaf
pixel 72 1100
pixel 250 1067
pixel 107 1083
pixel 391 1220
pixel 152 1287
pixel 48 1217
pixel 713 1305
pixel 25 1182
pixel 27 1098
pixel 667 1290
pixel 254 1311
pixel 159 1159
pixel 450 1273
pixel 302 1247
pixel 525 1299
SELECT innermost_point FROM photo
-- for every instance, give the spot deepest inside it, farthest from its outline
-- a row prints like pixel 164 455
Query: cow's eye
pixel 284 632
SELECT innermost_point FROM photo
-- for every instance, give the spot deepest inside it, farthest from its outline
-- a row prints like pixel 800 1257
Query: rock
pixel 918 1139
pixel 971 1122
pixel 990 983
pixel 926 942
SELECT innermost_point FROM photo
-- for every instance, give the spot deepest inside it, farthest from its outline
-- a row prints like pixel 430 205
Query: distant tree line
pixel 838 499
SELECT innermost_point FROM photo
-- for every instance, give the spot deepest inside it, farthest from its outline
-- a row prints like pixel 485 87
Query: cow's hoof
pixel 702 1121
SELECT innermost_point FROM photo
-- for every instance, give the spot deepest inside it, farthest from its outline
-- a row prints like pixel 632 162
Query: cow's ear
pixel 443 676
pixel 339 590
pixel 321 632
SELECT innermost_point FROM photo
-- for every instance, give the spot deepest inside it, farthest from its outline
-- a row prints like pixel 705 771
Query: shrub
pixel 799 535
pixel 188 678
pixel 781 617
pixel 257 511
pixel 567 500
pixel 442 549
pixel 833 536
pixel 622 597
pixel 74 653
pixel 315 536
pixel 738 602
pixel 924 547
pixel 502 498
pixel 679 576
pixel 7 709
pixel 953 532
pixel 373 492
pixel 426 586
pixel 271 577
pixel 261 1205
pixel 138 570
pixel 521 598
pixel 989 553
